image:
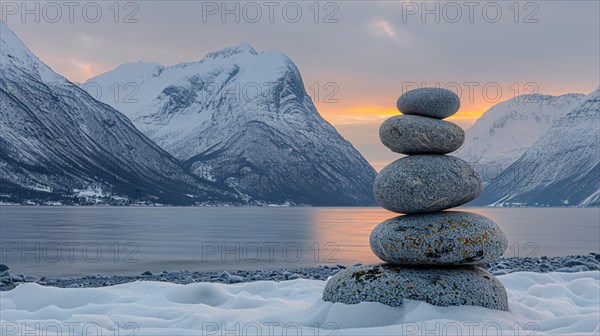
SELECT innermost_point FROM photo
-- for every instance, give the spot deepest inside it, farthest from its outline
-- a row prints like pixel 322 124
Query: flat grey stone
pixel 411 134
pixel 391 285
pixel 429 102
pixel 235 279
pixel 31 278
pixel 426 183
pixel 439 238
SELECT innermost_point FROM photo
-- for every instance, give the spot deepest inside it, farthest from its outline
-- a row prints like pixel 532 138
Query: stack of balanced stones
pixel 431 255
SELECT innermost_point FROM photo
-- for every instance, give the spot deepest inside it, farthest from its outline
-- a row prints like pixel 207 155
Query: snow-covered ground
pixel 540 303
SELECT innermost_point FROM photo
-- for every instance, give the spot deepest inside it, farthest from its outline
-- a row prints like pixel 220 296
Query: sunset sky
pixel 360 54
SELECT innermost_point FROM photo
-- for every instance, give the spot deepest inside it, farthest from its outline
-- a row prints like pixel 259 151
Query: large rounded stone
pixel 391 285
pixel 440 238
pixel 411 134
pixel 429 102
pixel 426 183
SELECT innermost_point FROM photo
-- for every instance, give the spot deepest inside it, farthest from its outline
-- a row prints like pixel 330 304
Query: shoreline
pixel 501 266
pixel 227 205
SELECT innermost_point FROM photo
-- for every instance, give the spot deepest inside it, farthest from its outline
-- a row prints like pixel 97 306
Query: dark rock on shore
pixel 591 262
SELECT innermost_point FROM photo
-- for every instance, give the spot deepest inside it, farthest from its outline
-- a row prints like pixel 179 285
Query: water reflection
pixel 349 229
pixel 84 240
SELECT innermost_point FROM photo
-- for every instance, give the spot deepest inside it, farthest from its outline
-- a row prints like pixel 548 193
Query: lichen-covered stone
pixel 429 102
pixel 426 183
pixel 411 134
pixel 391 285
pixel 440 238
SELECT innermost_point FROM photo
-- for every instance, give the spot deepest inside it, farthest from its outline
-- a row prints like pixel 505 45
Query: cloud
pixel 384 29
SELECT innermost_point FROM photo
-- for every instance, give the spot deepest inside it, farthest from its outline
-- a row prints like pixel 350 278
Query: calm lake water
pixel 64 241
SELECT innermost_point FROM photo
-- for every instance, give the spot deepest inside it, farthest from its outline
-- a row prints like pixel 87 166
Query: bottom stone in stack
pixel 392 284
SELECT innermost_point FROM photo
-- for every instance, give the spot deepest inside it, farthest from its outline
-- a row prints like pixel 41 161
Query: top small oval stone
pixel 429 102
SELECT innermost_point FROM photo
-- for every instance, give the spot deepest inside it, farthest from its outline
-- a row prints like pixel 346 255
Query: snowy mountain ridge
pixel 243 118
pixel 561 168
pixel 13 52
pixel 151 79
pixel 58 144
pixel 507 130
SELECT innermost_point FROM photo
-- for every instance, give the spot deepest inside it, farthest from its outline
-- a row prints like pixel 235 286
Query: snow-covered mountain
pixel 562 167
pixel 57 143
pixel 242 118
pixel 505 132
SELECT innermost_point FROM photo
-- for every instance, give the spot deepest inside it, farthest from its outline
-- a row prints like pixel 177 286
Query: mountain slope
pixel 562 168
pixel 505 131
pixel 57 143
pixel 244 119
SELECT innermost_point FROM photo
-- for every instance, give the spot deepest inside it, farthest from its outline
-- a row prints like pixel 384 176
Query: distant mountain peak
pixel 242 48
pixel 139 65
pixel 246 46
pixel 529 97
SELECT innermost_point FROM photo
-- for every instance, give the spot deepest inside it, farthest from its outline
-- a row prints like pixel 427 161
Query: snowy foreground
pixel 540 303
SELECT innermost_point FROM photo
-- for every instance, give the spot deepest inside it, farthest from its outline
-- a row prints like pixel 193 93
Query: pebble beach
pixel 501 266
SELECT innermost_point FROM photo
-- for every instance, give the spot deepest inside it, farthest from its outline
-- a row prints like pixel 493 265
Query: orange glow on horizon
pixel 348 115
pixel 73 69
pixel 86 72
